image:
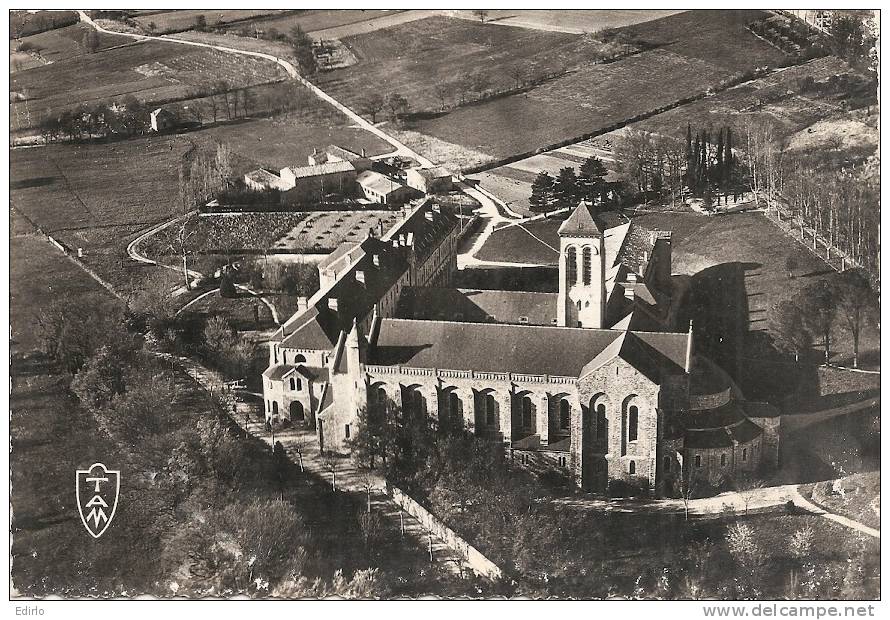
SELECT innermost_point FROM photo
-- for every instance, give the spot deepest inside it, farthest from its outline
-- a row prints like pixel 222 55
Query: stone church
pixel 593 379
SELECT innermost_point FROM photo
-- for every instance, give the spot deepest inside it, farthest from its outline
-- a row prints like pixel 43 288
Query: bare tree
pixel 518 74
pixel 747 486
pixel 373 104
pixel 482 14
pixel 441 91
pixel 329 463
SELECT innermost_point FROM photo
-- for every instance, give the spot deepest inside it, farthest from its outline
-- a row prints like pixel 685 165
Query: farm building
pixel 334 153
pixel 264 180
pixel 430 180
pixel 382 189
pixel 162 120
pixel 314 182
pixel 601 387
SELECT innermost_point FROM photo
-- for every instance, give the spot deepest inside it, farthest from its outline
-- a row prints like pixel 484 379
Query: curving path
pixel 134 253
pixel 291 71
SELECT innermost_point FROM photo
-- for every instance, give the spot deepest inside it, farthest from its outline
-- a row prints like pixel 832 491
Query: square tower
pixel 582 271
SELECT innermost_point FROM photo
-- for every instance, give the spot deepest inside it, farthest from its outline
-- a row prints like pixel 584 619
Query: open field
pixel 175 21
pixel 573 21
pixel 582 102
pixel 517 244
pixel 281 143
pixel 720 38
pixel 413 58
pixel 151 71
pixel 774 99
pixel 66 43
pixel 310 20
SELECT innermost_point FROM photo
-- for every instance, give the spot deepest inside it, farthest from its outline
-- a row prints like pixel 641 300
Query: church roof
pixel 653 354
pixel 581 223
pixel 487 347
pixel 477 305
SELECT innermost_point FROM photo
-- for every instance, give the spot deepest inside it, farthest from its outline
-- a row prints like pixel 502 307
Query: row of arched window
pixel 572 265
pixel 297 359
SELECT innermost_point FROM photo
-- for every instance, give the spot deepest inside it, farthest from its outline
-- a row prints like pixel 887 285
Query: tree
pixel 100 379
pixel 329 463
pixel 747 487
pixel 518 74
pixel 542 192
pixel 303 50
pixel 790 265
pixel 441 90
pixel 856 302
pixel 819 309
pixel 227 286
pixel 481 14
pixel 747 552
pixel 397 106
pixel 565 188
pixel 592 180
pixel 201 23
pixel 373 104
pixel 365 444
pixel 791 333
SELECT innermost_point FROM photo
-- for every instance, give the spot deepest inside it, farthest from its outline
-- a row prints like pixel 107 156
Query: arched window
pixel 292 385
pixel 565 414
pixel 633 421
pixel 601 422
pixel 412 401
pixel 571 265
pixel 722 460
pixel 632 468
pixel 299 385
pixel 585 265
pixel 744 454
pixel 667 464
pixel 489 410
pixel 526 412
pixel 453 407
pixel 698 460
pixel 274 407
pixel 299 359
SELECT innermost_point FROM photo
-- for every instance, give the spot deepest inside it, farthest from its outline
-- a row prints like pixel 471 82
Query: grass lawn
pixel 857 497
pixel 413 58
pixel 152 71
pixel 238 310
pixel 514 244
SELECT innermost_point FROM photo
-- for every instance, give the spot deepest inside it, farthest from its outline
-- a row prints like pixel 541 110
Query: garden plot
pixel 325 231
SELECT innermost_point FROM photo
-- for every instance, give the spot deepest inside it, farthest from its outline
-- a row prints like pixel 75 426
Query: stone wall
pixel 480 564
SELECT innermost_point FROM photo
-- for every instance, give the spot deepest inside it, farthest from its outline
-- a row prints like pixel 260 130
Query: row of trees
pixel 834 194
pixel 569 187
pixel 395 105
pixel 820 310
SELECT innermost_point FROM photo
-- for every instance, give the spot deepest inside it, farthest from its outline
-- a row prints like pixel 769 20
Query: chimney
pixel 437 209
pixel 360 276
pixel 628 293
pixel 428 215
pixel 376 259
pixel 631 277
pixel 332 303
pixel 302 303
pixel 409 240
pixel 380 226
pixel 689 349
pixel 402 239
pixel 363 152
pixel 315 151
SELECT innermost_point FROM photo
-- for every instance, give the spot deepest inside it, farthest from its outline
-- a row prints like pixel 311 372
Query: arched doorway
pixel 297 414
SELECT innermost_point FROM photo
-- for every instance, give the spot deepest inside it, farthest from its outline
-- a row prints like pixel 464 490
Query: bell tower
pixel 582 271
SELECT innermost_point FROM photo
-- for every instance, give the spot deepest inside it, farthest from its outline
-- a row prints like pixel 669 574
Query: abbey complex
pixel 597 379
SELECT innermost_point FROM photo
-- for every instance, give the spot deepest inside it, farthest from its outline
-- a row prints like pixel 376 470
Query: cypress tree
pixel 542 192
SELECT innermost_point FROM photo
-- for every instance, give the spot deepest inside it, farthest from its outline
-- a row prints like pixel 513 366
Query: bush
pixel 227 286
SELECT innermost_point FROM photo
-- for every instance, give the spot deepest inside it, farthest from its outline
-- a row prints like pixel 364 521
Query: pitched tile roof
pixel 477 305
pixel 580 223
pixel 302 172
pixel 491 347
pixel 653 354
pixel 378 183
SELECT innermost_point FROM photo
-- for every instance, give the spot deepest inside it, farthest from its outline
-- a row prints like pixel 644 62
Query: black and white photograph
pixel 448 304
